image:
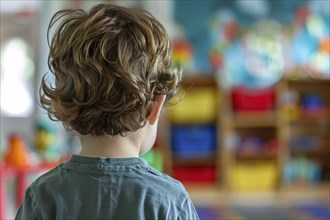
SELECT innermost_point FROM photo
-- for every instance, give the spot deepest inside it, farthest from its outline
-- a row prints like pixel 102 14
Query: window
pixel 17 69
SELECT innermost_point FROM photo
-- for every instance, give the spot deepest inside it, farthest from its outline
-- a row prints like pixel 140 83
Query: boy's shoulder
pixel 46 179
pixel 164 183
pixel 153 173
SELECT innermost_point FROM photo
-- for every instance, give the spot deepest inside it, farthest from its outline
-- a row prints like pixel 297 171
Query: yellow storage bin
pixel 199 105
pixel 254 176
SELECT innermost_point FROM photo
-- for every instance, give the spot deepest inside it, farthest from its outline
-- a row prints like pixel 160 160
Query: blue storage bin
pixel 194 141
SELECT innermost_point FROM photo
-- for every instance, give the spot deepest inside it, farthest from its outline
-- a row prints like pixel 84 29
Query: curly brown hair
pixel 109 65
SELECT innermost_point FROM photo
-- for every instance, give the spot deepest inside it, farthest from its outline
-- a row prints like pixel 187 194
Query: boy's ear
pixel 156 107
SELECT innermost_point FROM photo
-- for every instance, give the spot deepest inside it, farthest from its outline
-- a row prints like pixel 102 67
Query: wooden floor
pixel 291 203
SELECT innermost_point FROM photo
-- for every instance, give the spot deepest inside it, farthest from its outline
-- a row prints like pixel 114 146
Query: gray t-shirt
pixel 106 188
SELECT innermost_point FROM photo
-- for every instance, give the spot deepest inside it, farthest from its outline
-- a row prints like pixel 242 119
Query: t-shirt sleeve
pixel 26 210
pixel 188 211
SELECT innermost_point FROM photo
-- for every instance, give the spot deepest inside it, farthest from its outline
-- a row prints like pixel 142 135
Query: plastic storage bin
pixel 199 105
pixel 254 176
pixel 244 99
pixel 195 174
pixel 194 141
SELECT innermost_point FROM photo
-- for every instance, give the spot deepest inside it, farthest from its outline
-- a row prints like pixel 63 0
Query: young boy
pixel 112 69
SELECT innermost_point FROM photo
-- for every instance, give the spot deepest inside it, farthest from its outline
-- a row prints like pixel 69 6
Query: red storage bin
pixel 244 99
pixel 205 174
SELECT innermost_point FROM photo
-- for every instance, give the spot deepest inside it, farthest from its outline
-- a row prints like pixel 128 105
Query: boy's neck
pixel 111 147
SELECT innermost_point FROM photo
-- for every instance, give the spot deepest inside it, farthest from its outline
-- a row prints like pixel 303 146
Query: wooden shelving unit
pixel 253 119
pixel 263 124
pixel 272 124
pixel 189 86
pixel 312 126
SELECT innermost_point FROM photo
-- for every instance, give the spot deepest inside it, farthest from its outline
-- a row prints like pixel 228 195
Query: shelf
pixel 305 188
pixel 315 153
pixel 271 124
pixel 310 120
pixel 315 117
pixel 254 119
pixel 256 156
pixel 199 80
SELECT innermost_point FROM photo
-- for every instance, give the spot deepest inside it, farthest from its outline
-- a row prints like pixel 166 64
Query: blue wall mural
pixel 195 18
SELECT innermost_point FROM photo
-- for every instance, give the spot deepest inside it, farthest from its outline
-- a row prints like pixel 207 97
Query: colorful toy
pixel 325 45
pixel 313 105
pixel 45 142
pixel 255 145
pixel 17 153
pixel 224 30
pixel 256 59
pixel 44 137
pixel 311 43
pixel 301 170
pixel 182 54
pixel 216 59
pixel 251 146
pixel 301 15
pixel 155 159
pixel 271 146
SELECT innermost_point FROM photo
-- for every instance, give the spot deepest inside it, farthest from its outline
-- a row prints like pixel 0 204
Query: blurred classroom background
pixel 249 140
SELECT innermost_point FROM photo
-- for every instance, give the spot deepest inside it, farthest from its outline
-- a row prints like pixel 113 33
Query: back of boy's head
pixel 109 66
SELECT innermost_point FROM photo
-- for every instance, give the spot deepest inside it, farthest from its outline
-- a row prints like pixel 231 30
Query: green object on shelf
pixel 154 159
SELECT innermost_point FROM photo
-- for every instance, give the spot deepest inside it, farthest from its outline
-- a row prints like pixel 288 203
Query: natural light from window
pixel 17 68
